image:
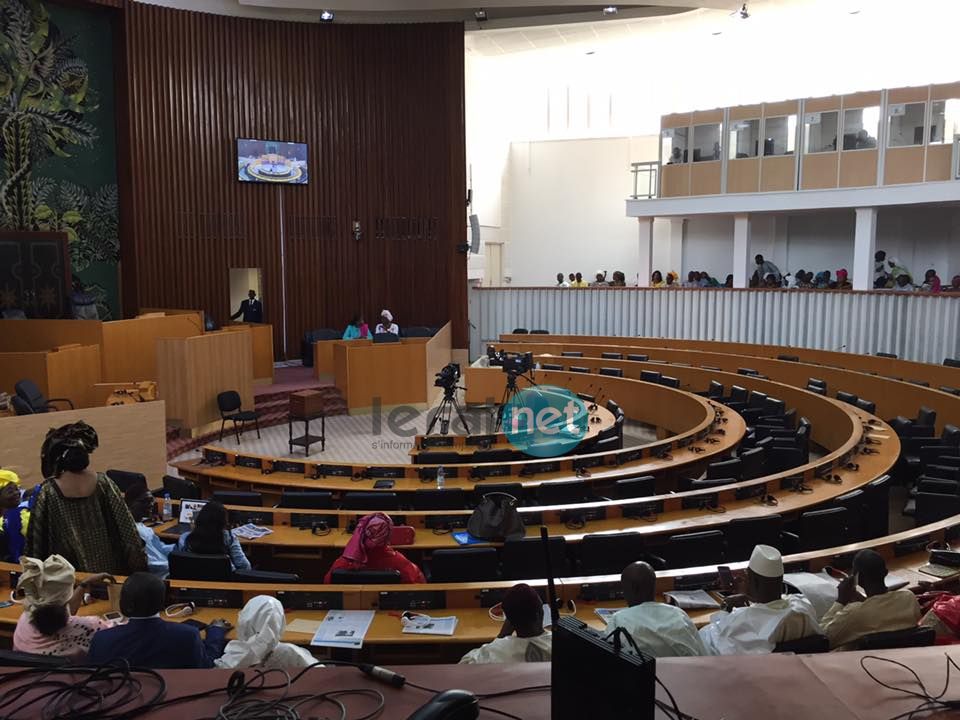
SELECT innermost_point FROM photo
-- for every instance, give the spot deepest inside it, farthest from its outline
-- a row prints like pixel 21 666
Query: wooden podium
pixel 305 406
pixel 192 371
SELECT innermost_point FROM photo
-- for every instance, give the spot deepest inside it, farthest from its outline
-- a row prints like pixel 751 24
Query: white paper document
pixel 251 531
pixel 343 629
pixel 692 599
pixel 821 589
pixel 426 625
pixel 606 613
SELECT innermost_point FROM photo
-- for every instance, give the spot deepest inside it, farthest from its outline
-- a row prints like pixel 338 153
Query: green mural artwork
pixel 57 144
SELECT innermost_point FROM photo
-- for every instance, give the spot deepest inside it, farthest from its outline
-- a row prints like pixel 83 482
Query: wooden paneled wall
pixel 381 108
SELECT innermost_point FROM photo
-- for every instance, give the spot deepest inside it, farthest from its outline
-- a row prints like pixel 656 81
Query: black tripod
pixel 509 393
pixel 445 411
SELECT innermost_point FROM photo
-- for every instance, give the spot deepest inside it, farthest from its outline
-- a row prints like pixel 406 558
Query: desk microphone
pixel 383 675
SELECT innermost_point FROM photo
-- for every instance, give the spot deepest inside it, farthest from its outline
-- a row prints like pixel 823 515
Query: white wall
pixel 820 241
pixel 708 245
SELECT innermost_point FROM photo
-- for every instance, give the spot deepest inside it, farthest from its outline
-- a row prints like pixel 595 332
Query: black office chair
pixel 365 577
pixel 464 565
pixel 952 362
pixel 609 554
pixel 615 408
pixel 238 497
pixel 265 576
pixel 919 636
pixel 926 417
pixel 124 479
pixel 709 483
pixel 950 435
pixel 13 658
pixel 230 405
pixel 186 565
pixel 385 337
pixel 818 529
pixel 180 488
pixel 817 382
pixel 732 468
pixel 855 503
pixel 650 376
pixel 21 406
pixel 746 371
pixel 877 520
pixel 739 395
pixel 774 407
pixel 846 397
pixel 578 369
pixel 523 558
pixel 611 355
pixel 866 406
pixel 382 501
pixel 306 499
pixel 753 463
pixel 937 485
pixel 312 336
pixel 693 549
pixel 781 458
pixel 571 353
pixel 817 390
pixel 715 390
pixel 430 499
pixel 809 645
pixel 669 381
pixel 550 366
pixel 611 372
pixel 539 331
pixel 644 486
pixel 491 456
pixel 887 355
pixel 521 331
pixel 562 492
pixel 743 534
pixel 789 358
pixel 28 391
pixel 638 358
pixel 932 507
pixel 757 400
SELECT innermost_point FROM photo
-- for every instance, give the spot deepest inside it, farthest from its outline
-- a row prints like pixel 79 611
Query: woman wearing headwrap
pixel 48 625
pixel 897 269
pixel 80 514
pixel 369 549
pixel 822 280
pixel 931 282
pixel 386 324
pixel 15 507
pixel 260 626
pixel 656 279
pixel 843 283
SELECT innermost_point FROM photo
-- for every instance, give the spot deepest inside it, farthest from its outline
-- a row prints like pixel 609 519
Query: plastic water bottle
pixel 167 513
pixel 441 478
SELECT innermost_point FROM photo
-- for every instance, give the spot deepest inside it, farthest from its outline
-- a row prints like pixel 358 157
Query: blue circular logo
pixel 545 421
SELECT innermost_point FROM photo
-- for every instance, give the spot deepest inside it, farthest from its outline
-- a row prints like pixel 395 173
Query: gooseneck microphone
pixel 383 675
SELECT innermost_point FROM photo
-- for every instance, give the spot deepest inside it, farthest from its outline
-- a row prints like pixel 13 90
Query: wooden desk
pixel 382 375
pixel 68 372
pixel 261 346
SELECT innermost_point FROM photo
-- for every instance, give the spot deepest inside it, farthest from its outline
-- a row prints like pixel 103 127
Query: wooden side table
pixel 305 406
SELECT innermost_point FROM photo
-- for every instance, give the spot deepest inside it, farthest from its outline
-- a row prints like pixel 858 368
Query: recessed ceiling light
pixel 610 10
pixel 326 16
pixel 480 15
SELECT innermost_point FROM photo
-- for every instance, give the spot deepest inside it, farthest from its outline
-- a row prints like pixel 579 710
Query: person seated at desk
pixel 369 549
pixel 260 626
pixel 251 309
pixel 852 616
pixel 15 507
pixel 356 329
pixel 386 324
pixel 147 640
pixel 659 629
pixel 142 505
pixel 522 637
pixel 48 624
pixel 210 536
pixel 767 619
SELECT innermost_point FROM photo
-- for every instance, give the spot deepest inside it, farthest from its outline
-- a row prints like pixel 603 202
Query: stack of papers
pixel 821 589
pixel 606 613
pixel 251 531
pixel 426 625
pixel 692 599
pixel 343 629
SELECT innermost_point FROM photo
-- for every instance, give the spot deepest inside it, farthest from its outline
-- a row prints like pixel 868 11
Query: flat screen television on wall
pixel 272 161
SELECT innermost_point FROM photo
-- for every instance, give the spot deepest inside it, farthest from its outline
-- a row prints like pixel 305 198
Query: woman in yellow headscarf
pixel 15 515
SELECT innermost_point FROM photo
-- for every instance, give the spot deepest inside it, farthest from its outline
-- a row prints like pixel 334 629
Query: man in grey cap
pixel 768 618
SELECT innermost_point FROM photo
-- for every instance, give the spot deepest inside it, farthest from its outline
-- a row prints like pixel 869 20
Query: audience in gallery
pixel 260 627
pixel 763 617
pixel 369 549
pixel 50 596
pixel 931 282
pixel 656 279
pixel 142 506
pixel 522 637
pixel 356 329
pixel 211 536
pixel 854 615
pixel 600 279
pixel 765 268
pixel 579 282
pixel 15 506
pixel 561 282
pixel 79 514
pixel 659 629
pixel 147 640
pixel 386 324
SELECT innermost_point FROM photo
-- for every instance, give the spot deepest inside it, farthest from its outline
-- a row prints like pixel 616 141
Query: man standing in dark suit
pixel 147 640
pixel 251 309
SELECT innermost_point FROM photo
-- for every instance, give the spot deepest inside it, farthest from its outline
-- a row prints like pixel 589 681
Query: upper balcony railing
pixel 645 175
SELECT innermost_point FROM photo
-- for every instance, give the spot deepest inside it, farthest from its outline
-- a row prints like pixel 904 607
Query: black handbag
pixel 496 518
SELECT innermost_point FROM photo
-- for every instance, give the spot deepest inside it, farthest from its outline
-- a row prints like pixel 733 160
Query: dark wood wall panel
pixel 381 108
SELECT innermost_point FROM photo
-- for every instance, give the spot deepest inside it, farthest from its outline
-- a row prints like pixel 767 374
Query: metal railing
pixel 651 169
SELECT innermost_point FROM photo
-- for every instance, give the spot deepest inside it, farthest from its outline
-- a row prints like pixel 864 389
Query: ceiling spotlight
pixel 480 15
pixel 610 10
pixel 326 16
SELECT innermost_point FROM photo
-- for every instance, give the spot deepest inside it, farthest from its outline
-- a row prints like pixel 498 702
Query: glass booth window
pixel 945 122
pixel 706 142
pixel 860 128
pixel 673 144
pixel 744 139
pixel 780 135
pixel 905 124
pixel 820 132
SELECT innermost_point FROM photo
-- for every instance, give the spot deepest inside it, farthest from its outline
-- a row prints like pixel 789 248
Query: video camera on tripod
pixel 512 363
pixel 448 377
